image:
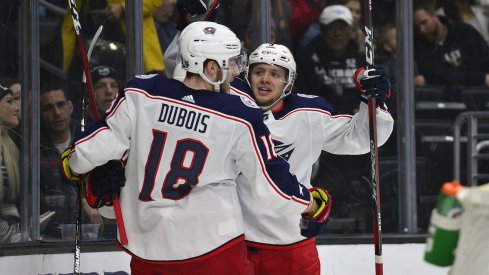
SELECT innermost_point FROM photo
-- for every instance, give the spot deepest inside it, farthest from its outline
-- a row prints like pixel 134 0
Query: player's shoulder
pixel 152 84
pixel 240 87
pixel 242 107
pixel 305 102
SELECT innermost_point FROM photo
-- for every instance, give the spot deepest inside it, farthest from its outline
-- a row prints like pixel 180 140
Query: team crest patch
pixel 249 102
pixel 210 30
pixel 145 76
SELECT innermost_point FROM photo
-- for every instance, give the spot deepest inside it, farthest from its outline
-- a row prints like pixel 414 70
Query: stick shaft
pixel 115 199
pixel 372 106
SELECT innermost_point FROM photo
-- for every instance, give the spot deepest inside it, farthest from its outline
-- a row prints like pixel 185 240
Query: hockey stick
pixel 374 150
pixel 115 200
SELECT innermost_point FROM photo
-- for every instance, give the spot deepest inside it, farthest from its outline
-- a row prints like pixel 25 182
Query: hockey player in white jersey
pixel 187 146
pixel 301 126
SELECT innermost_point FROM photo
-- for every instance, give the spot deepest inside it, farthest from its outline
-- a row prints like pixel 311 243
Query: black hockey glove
pixel 313 226
pixel 103 182
pixel 373 82
pixel 196 10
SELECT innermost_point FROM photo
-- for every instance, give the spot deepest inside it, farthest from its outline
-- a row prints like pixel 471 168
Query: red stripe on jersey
pixel 246 123
pixel 90 136
pixel 241 93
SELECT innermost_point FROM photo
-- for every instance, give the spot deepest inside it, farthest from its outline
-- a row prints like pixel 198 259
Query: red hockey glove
pixel 103 182
pixel 373 82
pixel 313 226
pixel 68 175
pixel 196 10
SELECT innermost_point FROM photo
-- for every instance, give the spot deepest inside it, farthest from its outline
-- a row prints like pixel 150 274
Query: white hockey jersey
pixel 303 128
pixel 186 149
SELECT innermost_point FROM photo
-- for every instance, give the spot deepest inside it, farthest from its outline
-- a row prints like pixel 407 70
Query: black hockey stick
pixel 115 200
pixel 374 150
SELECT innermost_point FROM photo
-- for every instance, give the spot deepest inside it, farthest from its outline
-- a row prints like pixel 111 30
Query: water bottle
pixel 445 224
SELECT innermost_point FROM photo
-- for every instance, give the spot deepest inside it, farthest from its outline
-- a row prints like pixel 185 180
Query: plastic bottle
pixel 444 228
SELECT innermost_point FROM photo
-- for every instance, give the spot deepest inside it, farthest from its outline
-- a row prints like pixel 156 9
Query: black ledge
pixel 60 247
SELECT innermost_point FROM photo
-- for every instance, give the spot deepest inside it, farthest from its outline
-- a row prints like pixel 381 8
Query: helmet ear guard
pixel 276 55
pixel 204 40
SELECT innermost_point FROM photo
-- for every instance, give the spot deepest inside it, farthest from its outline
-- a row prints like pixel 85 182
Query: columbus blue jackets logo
pixel 210 30
pixel 283 150
pixel 248 102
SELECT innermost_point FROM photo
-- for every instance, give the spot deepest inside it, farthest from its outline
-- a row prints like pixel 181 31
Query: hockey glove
pixel 103 182
pixel 373 82
pixel 313 226
pixel 68 175
pixel 196 10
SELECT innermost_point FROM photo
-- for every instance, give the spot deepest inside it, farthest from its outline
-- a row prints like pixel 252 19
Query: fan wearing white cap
pixel 302 126
pixel 326 66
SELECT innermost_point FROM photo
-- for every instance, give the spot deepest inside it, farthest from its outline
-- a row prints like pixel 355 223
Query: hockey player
pixel 187 146
pixel 301 126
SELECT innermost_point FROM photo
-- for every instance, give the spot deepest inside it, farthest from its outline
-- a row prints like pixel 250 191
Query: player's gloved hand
pixel 103 182
pixel 373 82
pixel 196 10
pixel 311 226
pixel 66 172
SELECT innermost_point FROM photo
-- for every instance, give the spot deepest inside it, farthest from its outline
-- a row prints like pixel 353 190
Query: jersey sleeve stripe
pixel 315 110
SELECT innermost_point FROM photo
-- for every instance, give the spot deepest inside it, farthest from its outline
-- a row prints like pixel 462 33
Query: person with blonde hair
pixel 9 169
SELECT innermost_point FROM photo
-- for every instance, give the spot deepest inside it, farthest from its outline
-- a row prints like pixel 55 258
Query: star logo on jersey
pixel 283 150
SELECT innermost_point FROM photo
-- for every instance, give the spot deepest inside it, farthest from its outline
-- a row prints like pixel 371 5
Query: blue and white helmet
pixel 205 40
pixel 276 55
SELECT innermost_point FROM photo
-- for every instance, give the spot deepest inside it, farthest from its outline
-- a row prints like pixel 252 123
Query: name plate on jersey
pixel 179 116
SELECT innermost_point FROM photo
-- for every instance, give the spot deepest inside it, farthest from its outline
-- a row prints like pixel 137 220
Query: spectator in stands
pixel 9 169
pixel 114 12
pixel 448 52
pixel 105 86
pixel 238 13
pixel 327 65
pixel 304 14
pixel 386 45
pixel 247 43
pixel 165 21
pixel 14 85
pixel 358 35
pixel 57 132
pixel 471 12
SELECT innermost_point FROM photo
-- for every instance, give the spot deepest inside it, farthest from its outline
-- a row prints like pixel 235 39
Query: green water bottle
pixel 444 226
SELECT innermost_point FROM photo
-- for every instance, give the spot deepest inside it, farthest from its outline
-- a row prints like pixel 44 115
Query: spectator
pixel 303 15
pixel 247 43
pixel 114 12
pixel 165 21
pixel 105 86
pixel 386 55
pixel 327 65
pixel 471 12
pixel 448 52
pixel 237 15
pixel 57 132
pixel 14 85
pixel 357 35
pixel 9 169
